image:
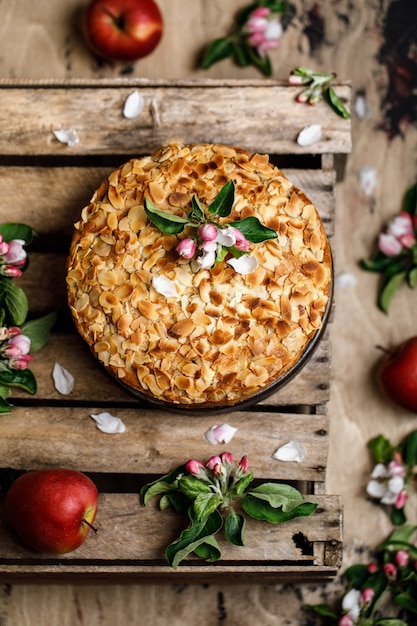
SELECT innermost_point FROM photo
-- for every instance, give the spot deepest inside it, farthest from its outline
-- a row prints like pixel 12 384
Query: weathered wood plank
pixel 251 115
pixel 50 199
pixel 132 539
pixel 156 442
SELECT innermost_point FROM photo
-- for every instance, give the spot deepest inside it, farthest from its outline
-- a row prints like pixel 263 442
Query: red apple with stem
pixel 397 374
pixel 123 30
pixel 52 510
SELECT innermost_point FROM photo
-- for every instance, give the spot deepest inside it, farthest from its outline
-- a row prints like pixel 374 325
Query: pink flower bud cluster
pixel 12 257
pixel 399 235
pixel 219 465
pixel 207 241
pixel 387 483
pixel 263 31
pixel 15 347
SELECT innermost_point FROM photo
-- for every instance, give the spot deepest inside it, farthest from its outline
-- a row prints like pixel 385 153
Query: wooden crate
pixel 45 184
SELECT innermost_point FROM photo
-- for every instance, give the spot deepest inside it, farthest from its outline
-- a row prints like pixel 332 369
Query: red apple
pixel 123 30
pixel 397 374
pixel 52 510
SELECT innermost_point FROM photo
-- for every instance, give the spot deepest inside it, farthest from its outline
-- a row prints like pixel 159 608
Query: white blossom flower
pixel 351 603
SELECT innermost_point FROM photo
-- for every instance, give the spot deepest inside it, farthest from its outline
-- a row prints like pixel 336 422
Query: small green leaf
pixel 5 407
pixel 223 202
pixel 263 64
pixel 406 601
pixel 193 486
pixel 409 449
pixel 410 200
pixel 39 330
pixel 192 537
pixel 379 263
pixel 197 210
pixel 278 495
pixel 234 527
pixel 335 103
pixel 240 55
pixel 262 510
pixel 243 483
pixel 218 50
pixel 381 448
pixel 205 504
pixel 390 621
pixel 170 478
pixel 16 303
pixel 357 575
pixel 209 550
pixel 388 289
pixel 324 610
pixel 253 230
pixel 167 223
pixel 17 231
pixel 412 277
pixel 398 516
pixel 19 378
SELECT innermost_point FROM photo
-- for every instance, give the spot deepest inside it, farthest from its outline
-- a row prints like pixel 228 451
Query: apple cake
pixel 199 275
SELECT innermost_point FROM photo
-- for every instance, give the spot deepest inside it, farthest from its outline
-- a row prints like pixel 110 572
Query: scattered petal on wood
pixel 222 433
pixel 245 264
pixel 368 179
pixel 134 104
pixel 67 135
pixel 63 380
pixel 164 286
pixel 291 451
pixel 309 135
pixel 345 279
pixel 362 108
pixel 108 423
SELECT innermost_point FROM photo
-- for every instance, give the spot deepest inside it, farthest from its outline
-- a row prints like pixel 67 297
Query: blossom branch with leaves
pixel 317 85
pixel 19 338
pixel 257 29
pixel 211 495
pixel 396 257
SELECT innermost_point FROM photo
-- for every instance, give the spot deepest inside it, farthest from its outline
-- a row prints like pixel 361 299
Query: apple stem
pixel 93 528
pixel 385 350
pixel 118 20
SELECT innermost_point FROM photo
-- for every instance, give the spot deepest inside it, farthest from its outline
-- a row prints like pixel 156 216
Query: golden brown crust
pixel 223 337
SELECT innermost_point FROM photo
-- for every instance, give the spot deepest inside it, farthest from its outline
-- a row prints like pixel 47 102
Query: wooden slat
pixel 255 116
pixel 51 198
pixel 132 539
pixel 156 442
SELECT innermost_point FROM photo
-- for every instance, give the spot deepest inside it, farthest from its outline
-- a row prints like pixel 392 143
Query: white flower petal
pixel 362 108
pixel 379 471
pixel 226 237
pixel 368 179
pixel 309 135
pixel 108 423
pixel 245 264
pixel 291 451
pixel 164 286
pixel 389 498
pixel 221 433
pixel 63 380
pixel 376 489
pixel 396 484
pixel 351 603
pixel 345 279
pixel 67 135
pixel 133 105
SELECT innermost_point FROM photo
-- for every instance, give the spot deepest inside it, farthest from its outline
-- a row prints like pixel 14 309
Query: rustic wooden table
pixel 42 41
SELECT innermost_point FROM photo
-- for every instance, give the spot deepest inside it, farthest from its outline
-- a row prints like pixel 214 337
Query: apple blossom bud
pixel 294 79
pixel 241 242
pixel 207 232
pixel 22 362
pixel 390 570
pixel 194 467
pixel 11 271
pixel 227 458
pixel 372 568
pixel 401 499
pixel 389 245
pixel 16 254
pixel 213 461
pixel 367 595
pixel 260 12
pixel 345 620
pixel 402 558
pixel 303 97
pixel 186 248
pixel 243 466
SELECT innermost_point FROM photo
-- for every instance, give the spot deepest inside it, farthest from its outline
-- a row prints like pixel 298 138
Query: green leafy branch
pixel 400 267
pixel 212 497
pixel 317 85
pixel 237 44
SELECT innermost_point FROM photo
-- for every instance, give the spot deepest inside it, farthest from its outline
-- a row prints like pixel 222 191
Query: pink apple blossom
pixel 18 345
pixel 243 466
pixel 186 248
pixel 263 31
pixel 367 595
pixel 390 570
pixel 372 568
pixel 208 257
pixel 11 271
pixel 16 254
pixel 345 620
pixel 213 461
pixel 399 235
pixel 194 467
pixel 227 458
pixel 402 558
pixel 21 363
pixel 241 242
pixel 389 245
pixel 207 232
